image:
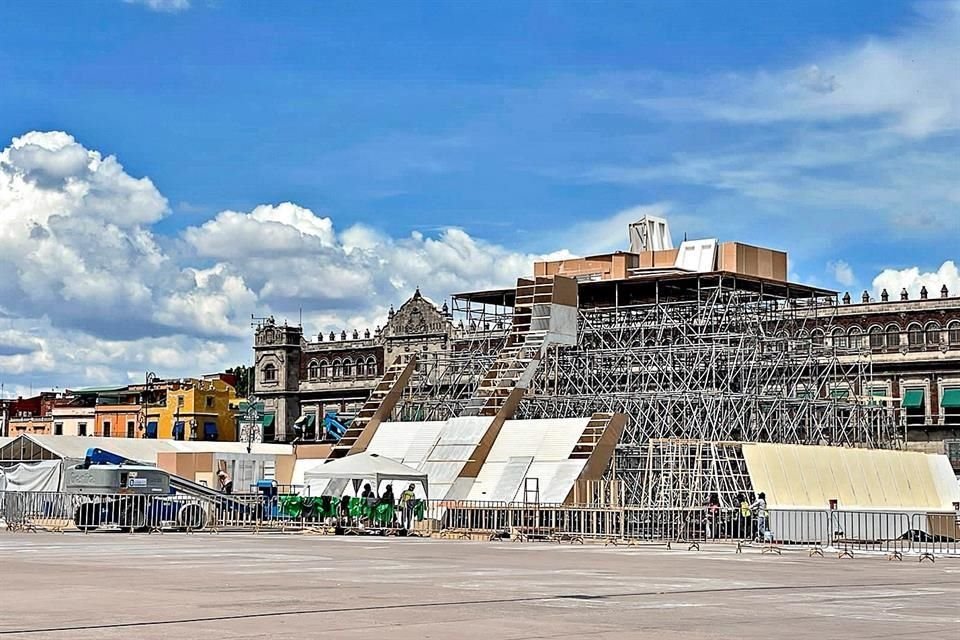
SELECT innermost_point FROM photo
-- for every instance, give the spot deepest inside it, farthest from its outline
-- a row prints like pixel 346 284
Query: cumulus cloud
pixel 293 258
pixel 163 6
pixel 87 287
pixel 14 343
pixel 913 279
pixel 76 246
pixel 93 295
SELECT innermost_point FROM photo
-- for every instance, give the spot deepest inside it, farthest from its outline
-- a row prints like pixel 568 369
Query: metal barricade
pixel 895 533
pixel 933 535
pixel 36 510
pixel 240 512
pixel 670 525
pixel 869 531
pixel 794 527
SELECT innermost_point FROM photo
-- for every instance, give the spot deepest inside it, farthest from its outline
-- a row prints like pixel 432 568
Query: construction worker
pixel 226 482
pixel 743 522
pixel 759 507
pixel 408 501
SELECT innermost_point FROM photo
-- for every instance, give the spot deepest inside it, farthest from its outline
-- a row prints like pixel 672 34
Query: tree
pixel 244 376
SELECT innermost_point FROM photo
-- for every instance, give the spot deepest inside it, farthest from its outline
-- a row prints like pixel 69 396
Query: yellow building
pixel 194 410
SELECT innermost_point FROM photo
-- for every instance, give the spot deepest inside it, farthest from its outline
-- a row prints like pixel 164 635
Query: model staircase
pixel 596 447
pixel 591 436
pixel 378 407
pixel 506 382
pixel 519 359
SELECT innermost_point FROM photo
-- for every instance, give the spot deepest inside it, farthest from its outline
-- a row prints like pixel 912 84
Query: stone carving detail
pixel 416 316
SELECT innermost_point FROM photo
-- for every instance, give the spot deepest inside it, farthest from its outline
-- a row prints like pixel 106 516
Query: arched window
pixel 269 373
pixel 348 368
pixel 337 369
pixel 371 367
pixel 932 334
pixel 840 339
pixel 817 337
pixel 892 340
pixel 313 370
pixel 324 370
pixel 914 336
pixel 953 333
pixel 855 337
pixel 876 338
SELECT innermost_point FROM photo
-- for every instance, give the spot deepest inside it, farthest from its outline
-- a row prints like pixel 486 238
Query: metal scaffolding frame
pixel 705 358
pixel 444 381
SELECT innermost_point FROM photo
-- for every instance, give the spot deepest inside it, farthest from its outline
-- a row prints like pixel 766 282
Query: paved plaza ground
pixel 113 586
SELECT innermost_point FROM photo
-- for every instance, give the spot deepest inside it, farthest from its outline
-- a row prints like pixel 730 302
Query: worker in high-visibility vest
pixel 408 500
pixel 743 522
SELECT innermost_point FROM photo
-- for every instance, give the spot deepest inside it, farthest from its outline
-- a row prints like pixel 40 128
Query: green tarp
pixel 383 514
pixel 291 506
pixel 951 398
pixel 912 399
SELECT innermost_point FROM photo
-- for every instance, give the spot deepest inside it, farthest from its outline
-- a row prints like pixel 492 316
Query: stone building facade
pixel 297 377
pixel 914 348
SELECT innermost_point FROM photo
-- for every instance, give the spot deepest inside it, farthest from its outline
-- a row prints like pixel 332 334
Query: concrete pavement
pixel 234 586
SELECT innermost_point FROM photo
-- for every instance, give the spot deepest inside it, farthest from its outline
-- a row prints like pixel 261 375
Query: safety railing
pixel 847 533
pixel 934 534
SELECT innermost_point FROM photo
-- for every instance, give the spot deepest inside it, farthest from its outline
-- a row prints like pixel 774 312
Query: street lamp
pixel 251 419
pixel 149 378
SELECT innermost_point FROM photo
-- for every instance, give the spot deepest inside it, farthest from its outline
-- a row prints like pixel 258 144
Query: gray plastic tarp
pixel 32 476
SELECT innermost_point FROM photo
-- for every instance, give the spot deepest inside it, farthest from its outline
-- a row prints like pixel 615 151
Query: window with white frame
pixel 914 336
pixel 932 334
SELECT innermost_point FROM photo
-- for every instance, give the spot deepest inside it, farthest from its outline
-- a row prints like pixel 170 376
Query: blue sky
pixel 485 133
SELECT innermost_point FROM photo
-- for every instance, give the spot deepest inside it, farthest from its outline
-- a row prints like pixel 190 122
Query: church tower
pixel 277 352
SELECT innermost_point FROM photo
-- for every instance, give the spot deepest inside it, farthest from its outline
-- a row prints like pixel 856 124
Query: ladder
pixel 378 406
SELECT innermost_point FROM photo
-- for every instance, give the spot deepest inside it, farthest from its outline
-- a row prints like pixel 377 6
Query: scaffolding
pixel 445 380
pixel 697 362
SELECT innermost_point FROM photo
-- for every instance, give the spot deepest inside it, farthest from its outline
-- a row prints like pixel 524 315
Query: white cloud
pixel 842 272
pixel 912 279
pixel 90 292
pixel 76 247
pixel 163 6
pixel 292 258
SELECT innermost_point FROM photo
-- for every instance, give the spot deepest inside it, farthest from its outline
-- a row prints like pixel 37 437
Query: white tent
pixel 360 467
pixel 33 476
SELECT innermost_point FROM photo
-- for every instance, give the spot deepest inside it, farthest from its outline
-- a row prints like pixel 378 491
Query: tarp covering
pixel 32 476
pixel 524 449
pixel 530 461
pixel 809 477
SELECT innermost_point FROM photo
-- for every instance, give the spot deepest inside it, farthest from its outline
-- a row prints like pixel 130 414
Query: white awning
pixel 365 466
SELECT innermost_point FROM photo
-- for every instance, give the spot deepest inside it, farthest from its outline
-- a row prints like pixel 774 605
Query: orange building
pixel 118 420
